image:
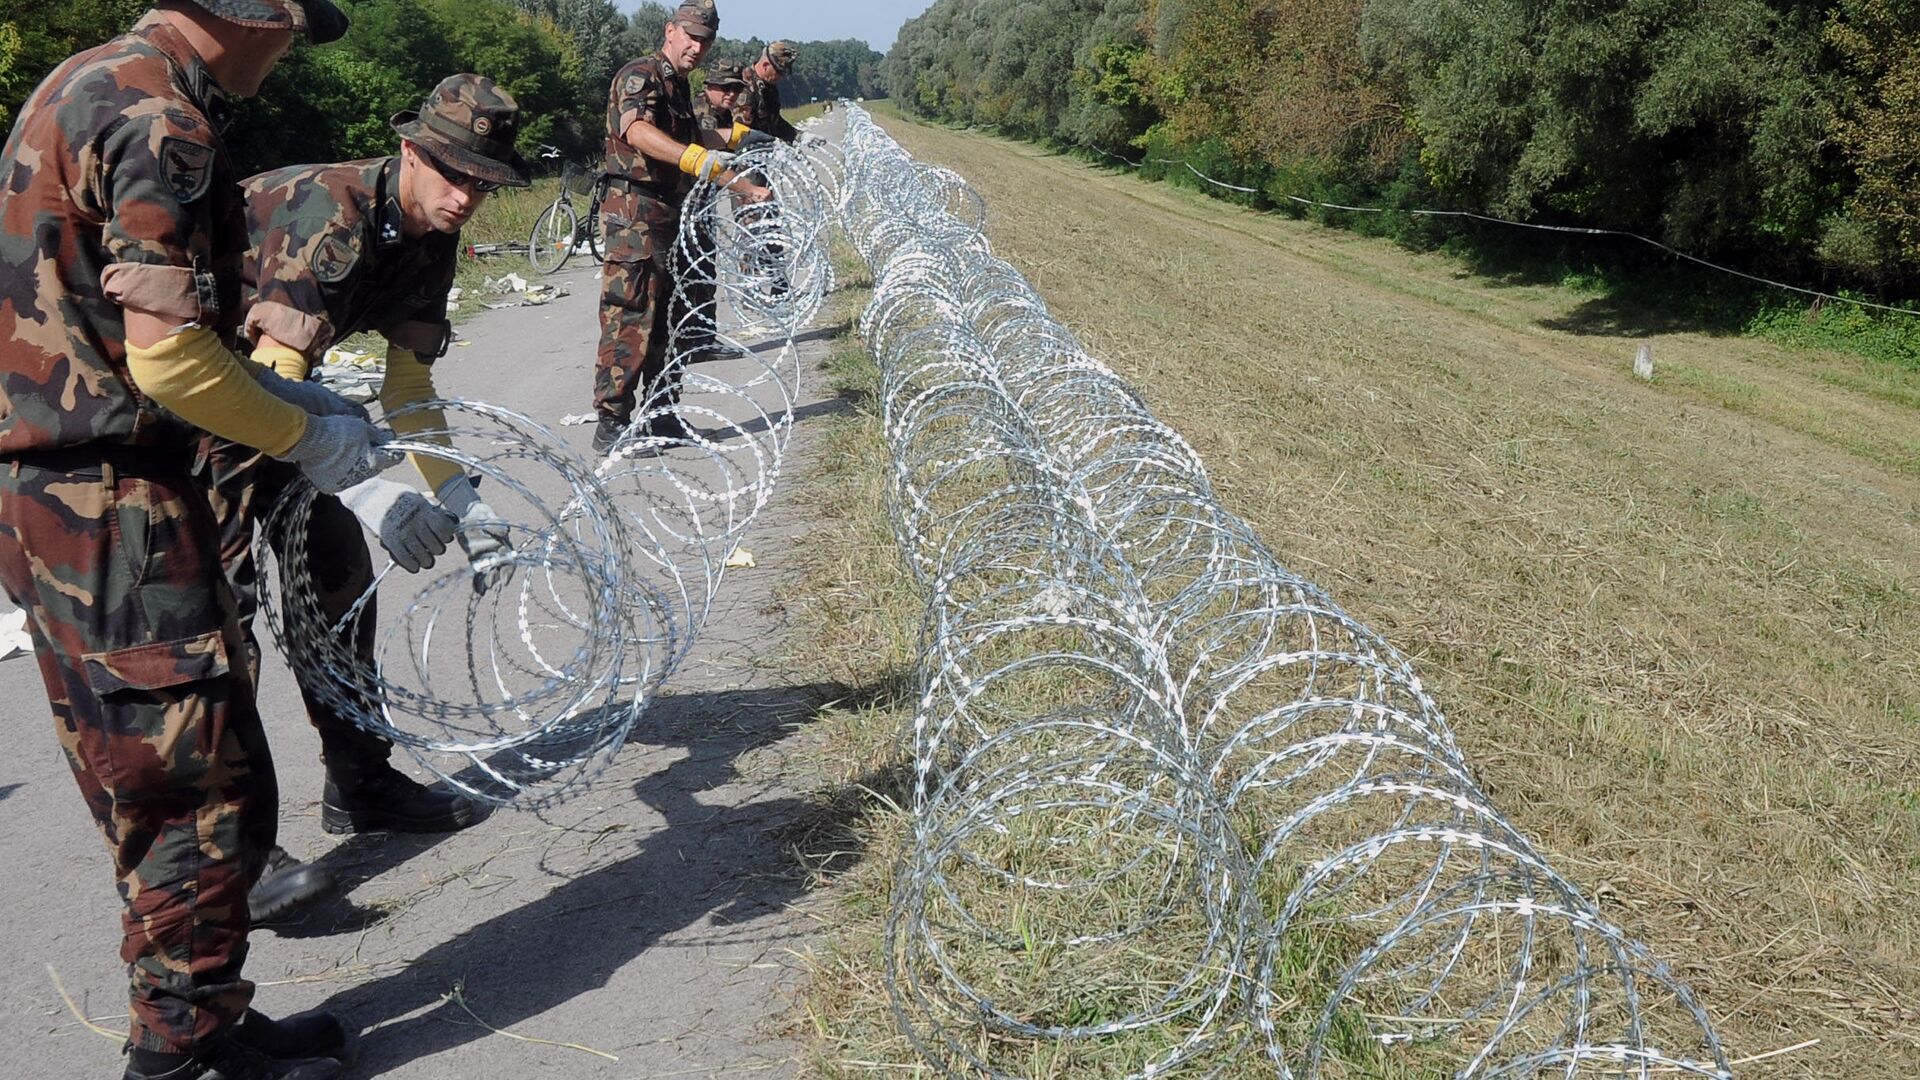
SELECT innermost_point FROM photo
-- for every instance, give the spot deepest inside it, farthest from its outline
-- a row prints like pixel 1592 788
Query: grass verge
pixel 1675 623
pixel 859 612
pixel 505 219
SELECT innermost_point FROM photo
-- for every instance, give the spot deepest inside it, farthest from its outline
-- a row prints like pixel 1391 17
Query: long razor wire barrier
pixel 519 685
pixel 1173 809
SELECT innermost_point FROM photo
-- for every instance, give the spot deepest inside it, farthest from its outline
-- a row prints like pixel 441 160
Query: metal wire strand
pixel 1172 805
pixel 522 693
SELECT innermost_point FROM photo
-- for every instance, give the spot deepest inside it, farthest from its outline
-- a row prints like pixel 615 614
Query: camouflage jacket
pixel 649 89
pixel 118 192
pixel 331 259
pixel 711 117
pixel 759 108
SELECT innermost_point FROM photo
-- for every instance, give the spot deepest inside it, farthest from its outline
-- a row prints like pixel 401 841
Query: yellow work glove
pixel 704 164
pixel 739 132
pixel 409 382
pixel 199 380
pixel 286 361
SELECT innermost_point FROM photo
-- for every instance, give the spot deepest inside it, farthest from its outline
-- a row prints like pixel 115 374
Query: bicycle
pixel 559 229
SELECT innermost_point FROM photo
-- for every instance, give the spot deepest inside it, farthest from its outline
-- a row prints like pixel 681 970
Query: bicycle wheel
pixel 594 246
pixel 552 239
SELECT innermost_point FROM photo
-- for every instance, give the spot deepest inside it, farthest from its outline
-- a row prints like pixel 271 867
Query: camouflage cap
pixel 318 19
pixel 698 18
pixel 782 55
pixel 469 123
pixel 725 75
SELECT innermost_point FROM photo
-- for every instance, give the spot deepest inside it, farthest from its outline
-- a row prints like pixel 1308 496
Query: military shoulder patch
pixel 634 85
pixel 333 259
pixel 186 168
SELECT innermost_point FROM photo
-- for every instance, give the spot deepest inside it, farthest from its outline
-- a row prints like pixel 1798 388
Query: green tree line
pixel 557 58
pixel 1782 133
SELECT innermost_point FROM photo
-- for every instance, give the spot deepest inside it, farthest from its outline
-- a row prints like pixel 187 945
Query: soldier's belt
pixel 668 190
pixel 94 459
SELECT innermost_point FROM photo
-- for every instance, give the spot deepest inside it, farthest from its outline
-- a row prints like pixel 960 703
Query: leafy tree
pixel 335 102
pixel 1878 125
pixel 1781 132
pixel 598 35
pixel 529 56
pixel 35 36
pixel 1697 120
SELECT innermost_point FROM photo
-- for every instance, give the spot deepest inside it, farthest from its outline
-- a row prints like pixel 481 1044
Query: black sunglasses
pixel 459 179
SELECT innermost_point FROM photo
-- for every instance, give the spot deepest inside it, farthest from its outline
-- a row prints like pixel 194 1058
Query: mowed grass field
pixel 1675 624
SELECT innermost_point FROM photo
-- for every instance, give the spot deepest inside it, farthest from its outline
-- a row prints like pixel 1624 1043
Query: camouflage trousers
pixel 116 564
pixel 243 487
pixel 638 309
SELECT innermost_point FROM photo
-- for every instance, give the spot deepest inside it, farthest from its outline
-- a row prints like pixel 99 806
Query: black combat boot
pixel 315 1033
pixel 695 347
pixel 286 885
pixel 668 426
pixel 608 432
pixel 383 799
pixel 231 1060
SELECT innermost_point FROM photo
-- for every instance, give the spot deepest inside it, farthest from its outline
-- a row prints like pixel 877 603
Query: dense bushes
pixel 1780 133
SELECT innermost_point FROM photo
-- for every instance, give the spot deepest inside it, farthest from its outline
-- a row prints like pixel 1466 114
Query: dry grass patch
pixel 1675 625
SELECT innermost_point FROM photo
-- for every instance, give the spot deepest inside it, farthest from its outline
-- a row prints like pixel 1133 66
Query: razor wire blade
pixel 1171 804
pixel 519 687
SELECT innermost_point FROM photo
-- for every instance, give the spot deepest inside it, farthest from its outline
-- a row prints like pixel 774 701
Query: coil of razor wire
pixel 518 685
pixel 1174 810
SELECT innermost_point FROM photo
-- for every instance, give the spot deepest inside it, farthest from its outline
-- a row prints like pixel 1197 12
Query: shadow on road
pixel 818 333
pixel 840 405
pixel 729 863
pixel 353 862
pixel 8 789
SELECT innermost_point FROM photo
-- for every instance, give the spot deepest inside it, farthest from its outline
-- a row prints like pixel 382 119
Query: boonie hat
pixel 725 75
pixel 470 124
pixel 318 19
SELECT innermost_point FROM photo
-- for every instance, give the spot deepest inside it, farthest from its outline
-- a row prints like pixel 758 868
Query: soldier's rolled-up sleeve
pixel 290 303
pixel 289 326
pixel 155 174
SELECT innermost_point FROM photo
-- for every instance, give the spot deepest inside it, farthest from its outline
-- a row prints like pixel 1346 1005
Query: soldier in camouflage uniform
pixel 713 111
pixel 655 152
pixel 713 108
pixel 759 105
pixel 121 235
pixel 759 108
pixel 340 249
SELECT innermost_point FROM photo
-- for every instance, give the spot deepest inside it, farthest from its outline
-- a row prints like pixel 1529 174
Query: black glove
pixel 754 139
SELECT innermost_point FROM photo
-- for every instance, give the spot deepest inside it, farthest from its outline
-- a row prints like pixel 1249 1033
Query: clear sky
pixel 875 21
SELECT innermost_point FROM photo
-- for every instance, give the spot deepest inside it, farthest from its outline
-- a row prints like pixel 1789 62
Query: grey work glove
pixel 483 535
pixel 337 452
pixel 753 139
pixel 309 396
pixel 413 530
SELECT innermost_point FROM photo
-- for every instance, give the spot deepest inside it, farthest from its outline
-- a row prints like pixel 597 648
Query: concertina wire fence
pixel 521 693
pixel 1171 806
